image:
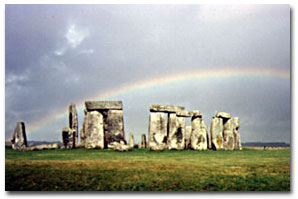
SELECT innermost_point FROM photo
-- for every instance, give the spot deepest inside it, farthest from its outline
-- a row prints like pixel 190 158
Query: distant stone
pixel 187 137
pixel 184 113
pixel 228 136
pixel 103 105
pixel 43 147
pixel 198 134
pixel 176 137
pixel 237 141
pixel 68 138
pixel 73 122
pixel 157 131
pixel 165 108
pixel 19 139
pixel 216 131
pixel 143 141
pixel 196 113
pixel 94 130
pixel 131 140
pixel 223 115
pixel 114 127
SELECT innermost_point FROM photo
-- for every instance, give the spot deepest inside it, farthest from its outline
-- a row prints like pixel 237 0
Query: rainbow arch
pixel 150 82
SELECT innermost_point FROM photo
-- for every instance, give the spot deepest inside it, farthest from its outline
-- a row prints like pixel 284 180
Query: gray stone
pixel 237 141
pixel 19 139
pixel 176 137
pixel 103 105
pixel 216 131
pixel 114 127
pixel 43 147
pixel 198 134
pixel 184 113
pixel 188 137
pixel 94 130
pixel 131 140
pixel 68 138
pixel 228 136
pixel 223 115
pixel 82 132
pixel 165 108
pixel 73 122
pixel 157 131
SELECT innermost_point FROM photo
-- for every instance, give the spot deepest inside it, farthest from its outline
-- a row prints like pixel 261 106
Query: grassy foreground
pixel 141 169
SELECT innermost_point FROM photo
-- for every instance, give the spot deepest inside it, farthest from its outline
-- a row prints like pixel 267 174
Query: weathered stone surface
pixel 188 137
pixel 43 147
pixel 223 115
pixel 198 134
pixel 157 131
pixel 196 113
pixel 119 146
pixel 103 105
pixel 19 138
pixel 68 138
pixel 131 140
pixel 82 132
pixel 237 141
pixel 176 137
pixel 228 136
pixel 94 130
pixel 216 131
pixel 184 113
pixel 73 122
pixel 165 108
pixel 114 127
pixel 143 143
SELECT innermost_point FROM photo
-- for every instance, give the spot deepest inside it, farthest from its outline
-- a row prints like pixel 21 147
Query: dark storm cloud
pixel 56 54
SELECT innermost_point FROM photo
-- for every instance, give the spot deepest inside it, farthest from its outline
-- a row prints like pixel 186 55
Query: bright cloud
pixel 75 36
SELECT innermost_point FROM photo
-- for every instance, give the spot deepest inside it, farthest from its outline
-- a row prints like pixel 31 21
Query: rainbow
pixel 151 82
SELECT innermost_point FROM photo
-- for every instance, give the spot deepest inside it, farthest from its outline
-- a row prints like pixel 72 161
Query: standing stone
pixel 68 138
pixel 114 127
pixel 216 131
pixel 157 131
pixel 236 126
pixel 82 132
pixel 19 139
pixel 228 135
pixel 198 134
pixel 188 137
pixel 94 130
pixel 131 140
pixel 143 141
pixel 73 122
pixel 176 137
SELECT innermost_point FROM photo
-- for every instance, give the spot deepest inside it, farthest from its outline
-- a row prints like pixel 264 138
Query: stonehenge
pixel 103 128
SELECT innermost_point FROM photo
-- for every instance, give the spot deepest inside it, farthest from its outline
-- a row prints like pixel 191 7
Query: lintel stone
pixel 103 105
pixel 223 115
pixel 184 114
pixel 165 108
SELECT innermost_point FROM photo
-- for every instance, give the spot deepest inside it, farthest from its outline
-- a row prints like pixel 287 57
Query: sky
pixel 231 58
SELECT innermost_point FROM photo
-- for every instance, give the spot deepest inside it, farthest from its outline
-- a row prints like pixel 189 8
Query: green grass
pixel 141 169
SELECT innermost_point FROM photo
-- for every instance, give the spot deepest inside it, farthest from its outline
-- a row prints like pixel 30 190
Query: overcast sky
pixel 58 54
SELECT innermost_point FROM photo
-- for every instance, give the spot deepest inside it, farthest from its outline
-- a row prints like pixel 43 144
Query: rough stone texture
pixel 187 137
pixel 119 146
pixel 43 147
pixel 228 136
pixel 196 113
pixel 198 134
pixel 19 139
pixel 143 141
pixel 223 115
pixel 165 108
pixel 103 105
pixel 114 127
pixel 176 137
pixel 68 138
pixel 236 126
pixel 73 122
pixel 82 132
pixel 184 113
pixel 94 130
pixel 157 131
pixel 131 140
pixel 216 131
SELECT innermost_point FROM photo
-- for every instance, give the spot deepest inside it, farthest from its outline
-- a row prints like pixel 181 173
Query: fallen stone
pixel 19 138
pixel 94 130
pixel 187 137
pixel 236 126
pixel 119 146
pixel 223 115
pixel 198 134
pixel 157 131
pixel 73 122
pixel 103 105
pixel 131 140
pixel 165 108
pixel 176 138
pixel 43 147
pixel 68 138
pixel 114 127
pixel 216 131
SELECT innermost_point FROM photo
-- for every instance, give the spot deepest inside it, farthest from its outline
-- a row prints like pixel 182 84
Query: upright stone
pixel 236 126
pixel 83 131
pixel 73 122
pixel 228 135
pixel 94 130
pixel 131 140
pixel 114 127
pixel 143 141
pixel 19 139
pixel 157 131
pixel 68 138
pixel 216 131
pixel 188 137
pixel 176 137
pixel 198 134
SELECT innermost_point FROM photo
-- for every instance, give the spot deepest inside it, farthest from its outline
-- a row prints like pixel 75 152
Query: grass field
pixel 141 169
